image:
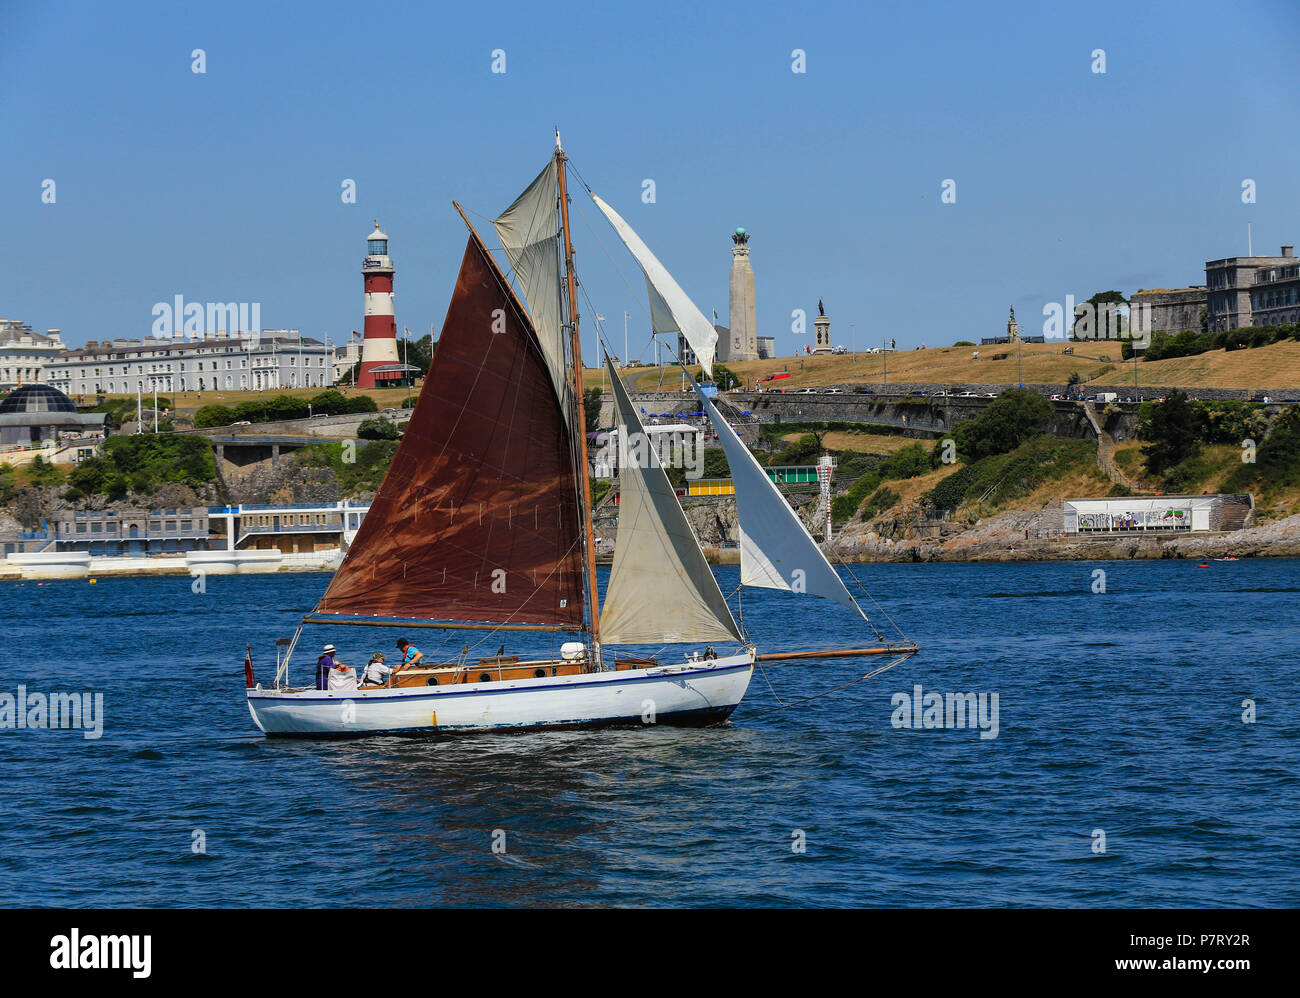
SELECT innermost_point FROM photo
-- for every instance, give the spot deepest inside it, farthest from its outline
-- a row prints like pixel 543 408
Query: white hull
pixel 692 693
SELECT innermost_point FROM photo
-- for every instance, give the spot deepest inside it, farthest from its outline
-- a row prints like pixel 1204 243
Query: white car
pixel 966 395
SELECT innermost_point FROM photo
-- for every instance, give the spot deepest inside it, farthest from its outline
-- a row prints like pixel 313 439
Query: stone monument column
pixel 821 330
pixel 744 326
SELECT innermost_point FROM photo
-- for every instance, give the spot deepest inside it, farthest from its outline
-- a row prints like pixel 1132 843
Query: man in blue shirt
pixel 411 655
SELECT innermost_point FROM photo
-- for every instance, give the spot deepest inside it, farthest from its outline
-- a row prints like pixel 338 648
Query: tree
pixel 591 407
pixel 378 429
pixel 725 378
pixel 419 353
pixel 1174 432
pixel 1017 415
pixel 42 472
pixel 1097 326
pixel 334 403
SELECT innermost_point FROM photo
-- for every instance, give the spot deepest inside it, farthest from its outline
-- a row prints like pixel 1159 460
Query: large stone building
pixel 1275 297
pixel 742 341
pixel 1169 310
pixel 24 353
pixel 274 359
pixel 1236 284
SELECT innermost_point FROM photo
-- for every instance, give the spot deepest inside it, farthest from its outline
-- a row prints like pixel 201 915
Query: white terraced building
pixel 24 353
pixel 274 359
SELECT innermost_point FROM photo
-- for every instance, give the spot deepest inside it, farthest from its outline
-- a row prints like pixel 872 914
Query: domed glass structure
pixel 36 398
pixel 35 413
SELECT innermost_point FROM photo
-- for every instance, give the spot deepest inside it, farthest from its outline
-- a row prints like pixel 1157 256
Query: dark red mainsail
pixel 477 518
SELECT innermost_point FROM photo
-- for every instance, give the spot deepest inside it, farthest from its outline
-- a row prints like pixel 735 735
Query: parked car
pixel 241 422
pixel 989 395
pixel 966 395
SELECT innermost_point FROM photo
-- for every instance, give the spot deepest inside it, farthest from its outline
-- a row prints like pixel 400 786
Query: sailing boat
pixel 483 524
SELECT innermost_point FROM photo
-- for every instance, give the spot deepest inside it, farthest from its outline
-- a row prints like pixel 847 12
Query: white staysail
pixel 528 233
pixel 686 318
pixel 776 550
pixel 661 316
pixel 661 590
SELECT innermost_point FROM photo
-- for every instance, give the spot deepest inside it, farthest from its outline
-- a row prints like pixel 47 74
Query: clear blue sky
pixel 226 186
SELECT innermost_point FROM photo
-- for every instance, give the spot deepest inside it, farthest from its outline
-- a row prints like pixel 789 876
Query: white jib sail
pixel 776 550
pixel 688 319
pixel 661 590
pixel 528 233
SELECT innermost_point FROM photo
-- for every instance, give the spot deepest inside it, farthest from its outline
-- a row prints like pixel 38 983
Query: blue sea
pixel 1122 774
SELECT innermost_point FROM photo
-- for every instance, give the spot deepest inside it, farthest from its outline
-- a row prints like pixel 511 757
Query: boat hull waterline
pixel 692 693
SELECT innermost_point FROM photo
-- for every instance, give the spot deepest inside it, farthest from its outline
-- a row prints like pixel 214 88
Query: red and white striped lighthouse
pixel 379 346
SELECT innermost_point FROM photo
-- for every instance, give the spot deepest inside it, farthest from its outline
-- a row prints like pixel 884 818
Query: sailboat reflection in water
pixel 483 523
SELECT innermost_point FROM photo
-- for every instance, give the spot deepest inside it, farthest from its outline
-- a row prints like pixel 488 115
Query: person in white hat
pixel 323 666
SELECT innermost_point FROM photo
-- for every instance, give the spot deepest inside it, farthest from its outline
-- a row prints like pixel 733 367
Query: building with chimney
pixel 24 353
pixel 271 359
pixel 1252 290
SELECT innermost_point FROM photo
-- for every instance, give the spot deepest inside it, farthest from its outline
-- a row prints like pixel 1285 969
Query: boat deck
pixel 503 669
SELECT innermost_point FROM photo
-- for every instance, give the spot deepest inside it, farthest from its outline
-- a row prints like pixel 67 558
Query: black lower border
pixel 328 947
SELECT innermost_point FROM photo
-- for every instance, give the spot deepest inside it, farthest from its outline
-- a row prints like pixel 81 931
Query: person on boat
pixel 343 677
pixel 323 666
pixel 377 672
pixel 411 655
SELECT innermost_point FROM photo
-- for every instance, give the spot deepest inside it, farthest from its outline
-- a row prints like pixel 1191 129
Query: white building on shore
pixel 25 353
pixel 271 360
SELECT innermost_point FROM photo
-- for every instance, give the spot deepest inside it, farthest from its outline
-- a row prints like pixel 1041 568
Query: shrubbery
pixel 139 463
pixel 1277 459
pixel 1189 342
pixel 378 429
pixel 1015 416
pixel 277 407
pixel 908 462
pixel 999 478
pixel 364 474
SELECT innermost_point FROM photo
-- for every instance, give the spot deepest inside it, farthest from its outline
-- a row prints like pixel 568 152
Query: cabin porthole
pixel 484 677
pixel 431 681
pixel 539 673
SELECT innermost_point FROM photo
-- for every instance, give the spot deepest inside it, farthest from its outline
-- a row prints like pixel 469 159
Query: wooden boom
pixel 773 656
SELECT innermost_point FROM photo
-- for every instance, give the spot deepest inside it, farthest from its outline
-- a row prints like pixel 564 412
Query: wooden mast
pixel 581 405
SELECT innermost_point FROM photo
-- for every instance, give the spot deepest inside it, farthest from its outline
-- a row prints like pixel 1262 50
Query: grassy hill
pixel 1272 367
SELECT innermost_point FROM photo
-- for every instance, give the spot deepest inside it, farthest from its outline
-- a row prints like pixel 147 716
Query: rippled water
pixel 1118 712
